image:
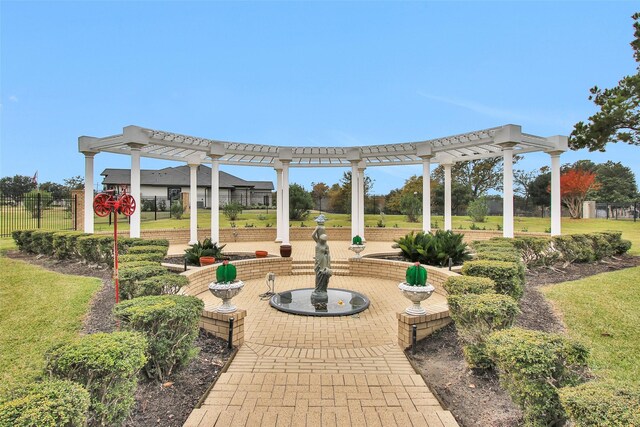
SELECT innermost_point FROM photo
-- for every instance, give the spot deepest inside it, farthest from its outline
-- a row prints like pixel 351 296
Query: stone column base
pixel 427 324
pixel 218 324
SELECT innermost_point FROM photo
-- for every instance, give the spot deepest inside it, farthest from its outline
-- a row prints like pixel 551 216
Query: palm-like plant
pixel 206 248
pixel 434 249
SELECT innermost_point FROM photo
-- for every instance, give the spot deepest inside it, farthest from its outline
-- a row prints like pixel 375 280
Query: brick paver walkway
pixel 321 371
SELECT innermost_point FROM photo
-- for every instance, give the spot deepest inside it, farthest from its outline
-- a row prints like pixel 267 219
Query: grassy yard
pixel 604 312
pixel 38 309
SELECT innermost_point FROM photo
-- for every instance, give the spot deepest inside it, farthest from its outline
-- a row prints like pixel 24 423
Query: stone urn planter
pixel 285 251
pixel 416 294
pixel 226 291
pixel 357 249
pixel 207 260
pixel 261 254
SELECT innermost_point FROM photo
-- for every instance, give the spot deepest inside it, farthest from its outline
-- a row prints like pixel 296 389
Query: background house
pixel 169 183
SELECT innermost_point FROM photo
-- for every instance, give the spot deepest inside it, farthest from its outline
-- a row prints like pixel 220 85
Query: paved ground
pixel 309 371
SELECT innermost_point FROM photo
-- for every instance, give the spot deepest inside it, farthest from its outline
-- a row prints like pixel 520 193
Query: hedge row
pixel 597 404
pixel 508 276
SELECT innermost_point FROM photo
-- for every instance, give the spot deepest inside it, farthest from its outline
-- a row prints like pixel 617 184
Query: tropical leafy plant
pixel 206 248
pixel 434 249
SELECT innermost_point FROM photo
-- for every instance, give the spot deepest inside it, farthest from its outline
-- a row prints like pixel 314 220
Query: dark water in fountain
pixel 341 302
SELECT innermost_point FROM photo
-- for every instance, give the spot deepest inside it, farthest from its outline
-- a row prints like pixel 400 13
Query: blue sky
pixel 294 73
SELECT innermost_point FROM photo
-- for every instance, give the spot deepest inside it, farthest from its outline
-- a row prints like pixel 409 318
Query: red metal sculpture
pixel 103 205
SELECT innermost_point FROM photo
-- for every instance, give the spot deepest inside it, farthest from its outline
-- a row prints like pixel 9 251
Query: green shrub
pixel 149 242
pixel 536 251
pixel 96 249
pixel 42 242
pixel 532 365
pixel 434 249
pixel 30 202
pixel 458 285
pixel 129 275
pixel 497 256
pixel 170 323
pixel 476 316
pixel 23 239
pixel 166 284
pixel 478 209
pixel 622 247
pixel 231 210
pixel 206 248
pixel 65 244
pixel 506 275
pixel 131 264
pixel 147 249
pixel 16 235
pixel 596 404
pixel 107 365
pixel 50 403
pixel 147 256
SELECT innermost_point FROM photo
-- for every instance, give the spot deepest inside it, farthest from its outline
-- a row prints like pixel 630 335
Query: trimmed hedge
pixel 536 251
pixel 65 244
pixel 129 275
pixel 590 247
pixel 508 276
pixel 596 404
pixel 51 403
pixel 132 264
pixel 96 249
pixel 457 285
pixel 42 242
pixel 143 249
pixel 156 257
pixel 170 323
pixel 498 256
pixel 532 365
pixel 476 316
pixel 22 239
pixel 167 284
pixel 149 242
pixel 107 365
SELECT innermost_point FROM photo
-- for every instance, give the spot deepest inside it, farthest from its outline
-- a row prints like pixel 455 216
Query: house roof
pixel 179 176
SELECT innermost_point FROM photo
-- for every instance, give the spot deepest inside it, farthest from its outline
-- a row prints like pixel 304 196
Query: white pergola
pixel 502 141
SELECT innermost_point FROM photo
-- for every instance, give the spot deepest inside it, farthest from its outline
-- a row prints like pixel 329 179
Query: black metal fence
pixel 628 211
pixel 33 211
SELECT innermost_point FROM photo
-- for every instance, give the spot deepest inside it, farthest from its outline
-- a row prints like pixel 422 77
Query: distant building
pixel 169 183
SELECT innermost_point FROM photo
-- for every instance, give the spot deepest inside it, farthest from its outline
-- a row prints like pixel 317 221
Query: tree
pixel 58 191
pixel 461 195
pixel 340 195
pixel 36 201
pixel 618 118
pixel 335 196
pixel 300 202
pixel 411 206
pixel 17 186
pixel 74 183
pixel 479 175
pixel 232 210
pixel 574 186
pixel 319 191
pixel 523 181
pixel 617 183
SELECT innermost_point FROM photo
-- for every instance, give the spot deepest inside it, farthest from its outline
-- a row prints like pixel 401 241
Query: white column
pixel 193 203
pixel 278 203
pixel 556 206
pixel 361 201
pixel 447 196
pixel 134 226
pixel 285 203
pixel 355 224
pixel 215 200
pixel 88 191
pixel 426 194
pixel 507 192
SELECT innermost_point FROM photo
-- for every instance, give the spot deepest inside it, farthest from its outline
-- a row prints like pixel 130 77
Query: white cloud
pixel 13 98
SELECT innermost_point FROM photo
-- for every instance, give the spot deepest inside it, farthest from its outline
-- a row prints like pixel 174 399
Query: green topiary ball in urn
pixel 416 275
pixel 226 272
pixel 357 240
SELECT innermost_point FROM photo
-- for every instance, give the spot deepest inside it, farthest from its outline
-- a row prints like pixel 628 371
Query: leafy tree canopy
pixel 300 202
pixel 618 118
pixel 14 187
pixel 617 183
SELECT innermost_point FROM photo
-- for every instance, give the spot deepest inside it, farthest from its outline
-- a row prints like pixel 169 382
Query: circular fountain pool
pixel 340 302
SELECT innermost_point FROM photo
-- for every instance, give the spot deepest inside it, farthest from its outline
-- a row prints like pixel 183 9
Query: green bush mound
pixel 131 264
pixel 602 404
pixel 149 242
pixel 590 247
pixel 144 249
pixel 498 256
pixel 42 242
pixel 96 249
pixel 457 285
pixel 107 365
pixel 532 366
pixel 170 323
pixel 65 244
pixel 149 256
pixel 536 251
pixel 129 275
pixel 476 316
pixel 508 276
pixel 51 403
pixel 434 249
pixel 166 284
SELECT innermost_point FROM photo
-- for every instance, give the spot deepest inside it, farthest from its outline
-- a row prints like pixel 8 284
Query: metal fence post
pixel 155 208
pixel 39 200
pixel 230 343
pixel 75 211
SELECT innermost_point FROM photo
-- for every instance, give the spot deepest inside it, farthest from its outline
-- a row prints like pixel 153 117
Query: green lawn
pixel 259 218
pixel 604 312
pixel 38 309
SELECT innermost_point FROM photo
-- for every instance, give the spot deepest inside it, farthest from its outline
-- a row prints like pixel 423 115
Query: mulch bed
pixel 157 404
pixel 475 398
